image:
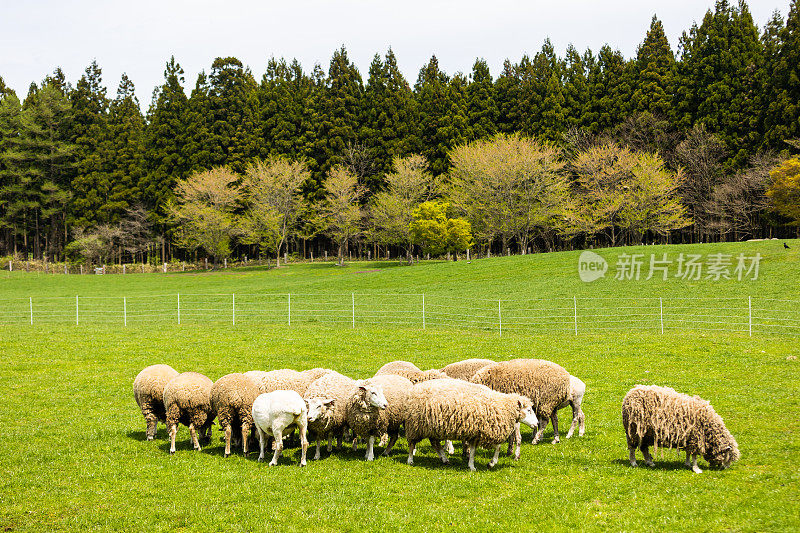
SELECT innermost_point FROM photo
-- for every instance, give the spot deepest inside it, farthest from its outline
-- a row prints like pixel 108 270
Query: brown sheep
pixel 232 399
pixel 466 369
pixel 148 390
pixel 187 398
pixel 410 371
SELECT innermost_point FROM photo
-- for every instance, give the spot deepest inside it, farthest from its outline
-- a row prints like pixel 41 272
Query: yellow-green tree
pixel 784 192
pixel 340 211
pixel 435 232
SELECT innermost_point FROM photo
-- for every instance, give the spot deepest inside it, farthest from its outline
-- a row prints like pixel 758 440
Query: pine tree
pixel 507 91
pixel 197 150
pixel 166 159
pixel 90 134
pixel 784 111
pixel 127 149
pixel 482 109
pixel 655 64
pixel 233 104
pixel 284 97
pixel 609 91
pixel 550 122
pixel 576 87
pixel 11 221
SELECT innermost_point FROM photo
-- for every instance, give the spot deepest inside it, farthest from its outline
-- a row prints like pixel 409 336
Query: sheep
pixel 232 399
pixel 456 410
pixel 577 389
pixel 148 390
pixel 544 382
pixel 339 388
pixel 368 412
pixel 275 412
pixel 466 369
pixel 187 398
pixel 410 371
pixel 286 379
pixel 663 417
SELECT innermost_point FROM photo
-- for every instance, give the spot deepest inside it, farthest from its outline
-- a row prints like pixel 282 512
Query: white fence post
pixel 234 308
pixel 289 301
pixel 179 309
pixel 423 311
pixel 750 314
pixel 575 306
pixel 31 310
pixel 76 310
pixel 499 318
pixel 354 310
pixel 661 307
pixel 125 310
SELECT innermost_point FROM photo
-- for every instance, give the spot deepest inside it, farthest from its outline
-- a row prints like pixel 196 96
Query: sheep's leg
pixel 695 468
pixel 228 431
pixel 370 443
pixel 574 420
pixel 330 441
pixel 648 459
pixel 411 447
pixel 632 454
pixel 245 437
pixel 542 425
pixel 496 456
pixel 517 442
pixel 173 430
pixel 581 417
pixel 471 448
pixel 302 429
pixel 193 433
pixel 437 445
pixel 355 443
pixel 448 444
pixel 262 439
pixel 277 434
pixel 384 440
pixel 339 440
pixel 152 424
pixel 392 440
pixel 555 426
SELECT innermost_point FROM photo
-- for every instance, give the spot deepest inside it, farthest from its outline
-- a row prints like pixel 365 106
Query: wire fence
pixel 576 315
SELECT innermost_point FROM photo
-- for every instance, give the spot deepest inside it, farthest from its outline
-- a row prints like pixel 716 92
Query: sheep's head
pixel 372 395
pixel 721 449
pixel 316 407
pixel 526 414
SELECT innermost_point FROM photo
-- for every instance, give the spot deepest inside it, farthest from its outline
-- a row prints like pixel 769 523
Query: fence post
pixel 423 310
pixel 750 314
pixel 179 309
pixel 31 310
pixel 661 307
pixel 234 308
pixel 575 307
pixel 289 300
pixel 76 310
pixel 354 310
pixel 125 310
pixel 499 318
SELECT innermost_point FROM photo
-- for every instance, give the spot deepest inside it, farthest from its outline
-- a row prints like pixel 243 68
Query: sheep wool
pixel 286 379
pixel 187 398
pixel 544 382
pixel 148 391
pixel 232 399
pixel 660 416
pixel 466 369
pixel 338 387
pixel 410 371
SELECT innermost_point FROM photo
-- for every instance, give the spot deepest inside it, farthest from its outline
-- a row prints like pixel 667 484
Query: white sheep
pixel 275 412
pixel 363 413
pixel 577 389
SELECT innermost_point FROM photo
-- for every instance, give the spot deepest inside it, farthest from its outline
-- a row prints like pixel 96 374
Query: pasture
pixel 75 455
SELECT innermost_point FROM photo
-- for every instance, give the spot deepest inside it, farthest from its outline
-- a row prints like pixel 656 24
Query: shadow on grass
pixel 668 466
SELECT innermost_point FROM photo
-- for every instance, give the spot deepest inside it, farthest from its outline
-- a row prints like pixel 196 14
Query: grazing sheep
pixel 410 371
pixel 466 369
pixel 286 379
pixel 148 390
pixel 453 409
pixel 577 389
pixel 545 383
pixel 366 412
pixel 660 416
pixel 275 412
pixel 232 399
pixel 187 398
pixel 339 388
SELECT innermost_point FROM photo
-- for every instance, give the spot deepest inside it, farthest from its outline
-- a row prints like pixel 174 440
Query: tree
pixel 272 202
pixel 481 106
pixel 203 212
pixel 739 204
pixel 609 91
pixel 655 66
pixel 510 187
pixel 576 86
pixel 619 190
pixel 341 208
pixel 198 149
pixel 437 233
pixel 783 73
pixel 784 189
pixel 407 186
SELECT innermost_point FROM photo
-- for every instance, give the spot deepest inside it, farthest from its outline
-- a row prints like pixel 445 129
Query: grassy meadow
pixel 75 455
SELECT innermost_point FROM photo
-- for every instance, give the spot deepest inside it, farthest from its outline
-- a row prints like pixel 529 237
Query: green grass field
pixel 75 455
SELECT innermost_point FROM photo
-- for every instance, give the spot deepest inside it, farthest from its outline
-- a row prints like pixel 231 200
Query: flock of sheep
pixel 478 402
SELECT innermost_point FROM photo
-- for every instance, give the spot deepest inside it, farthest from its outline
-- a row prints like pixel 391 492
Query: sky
pixel 138 38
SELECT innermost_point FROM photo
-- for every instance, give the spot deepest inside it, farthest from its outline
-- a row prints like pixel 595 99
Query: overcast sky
pixel 139 37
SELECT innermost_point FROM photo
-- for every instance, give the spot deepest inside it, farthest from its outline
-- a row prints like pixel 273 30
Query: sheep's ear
pixel 361 386
pixel 519 403
pixel 328 401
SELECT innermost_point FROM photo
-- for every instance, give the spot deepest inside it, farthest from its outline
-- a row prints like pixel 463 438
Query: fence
pixel 575 315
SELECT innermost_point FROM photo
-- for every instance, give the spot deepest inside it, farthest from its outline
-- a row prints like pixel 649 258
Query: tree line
pixel 708 120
